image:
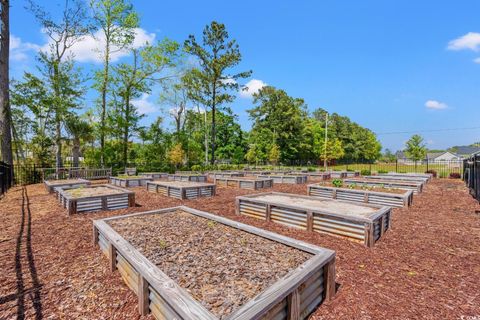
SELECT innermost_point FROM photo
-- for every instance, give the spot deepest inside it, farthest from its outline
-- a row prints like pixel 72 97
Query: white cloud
pixel 19 50
pixel 252 87
pixel 435 105
pixel 469 41
pixel 89 47
pixel 476 60
pixel 143 105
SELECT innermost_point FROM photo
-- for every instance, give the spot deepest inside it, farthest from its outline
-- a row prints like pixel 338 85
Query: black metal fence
pixel 5 177
pixel 471 175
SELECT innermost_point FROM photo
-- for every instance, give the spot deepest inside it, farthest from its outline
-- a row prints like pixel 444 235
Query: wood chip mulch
pixel 426 267
pixel 220 266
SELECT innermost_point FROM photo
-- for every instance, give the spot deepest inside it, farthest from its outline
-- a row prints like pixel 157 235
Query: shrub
pixel 433 172
pixel 337 183
pixel 350 170
pixel 197 167
pixel 382 171
pixel 311 169
pixel 454 175
pixel 365 172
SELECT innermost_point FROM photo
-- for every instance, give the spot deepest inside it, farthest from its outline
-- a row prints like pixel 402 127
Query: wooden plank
pixel 112 257
pixel 143 296
pixel 329 276
pixel 293 303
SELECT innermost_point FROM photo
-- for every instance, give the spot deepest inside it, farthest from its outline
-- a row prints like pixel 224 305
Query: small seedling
pixel 211 224
pixel 163 244
pixel 337 183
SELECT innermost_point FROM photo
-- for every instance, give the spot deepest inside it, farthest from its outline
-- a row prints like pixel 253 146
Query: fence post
pixel 427 163
pixel 396 165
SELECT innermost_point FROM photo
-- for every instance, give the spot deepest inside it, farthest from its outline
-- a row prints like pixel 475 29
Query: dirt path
pixel 427 266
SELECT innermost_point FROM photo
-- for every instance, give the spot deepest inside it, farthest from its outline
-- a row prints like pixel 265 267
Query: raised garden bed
pixel 245 182
pixel 416 186
pixel 364 223
pixel 129 181
pixel 351 174
pixel 225 174
pixel 155 175
pixel 188 264
pixel 182 189
pixel 424 180
pixel 429 176
pixel 50 185
pixel 338 174
pixel 94 198
pixel 401 198
pixel 293 179
pixel 313 175
pixel 187 177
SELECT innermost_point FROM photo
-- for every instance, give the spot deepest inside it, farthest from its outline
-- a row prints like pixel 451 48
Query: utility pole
pixel 326 141
pixel 206 138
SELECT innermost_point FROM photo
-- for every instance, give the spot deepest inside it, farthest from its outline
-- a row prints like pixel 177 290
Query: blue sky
pixel 392 66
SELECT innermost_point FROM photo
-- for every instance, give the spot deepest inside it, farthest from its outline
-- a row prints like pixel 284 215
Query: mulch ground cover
pixel 426 267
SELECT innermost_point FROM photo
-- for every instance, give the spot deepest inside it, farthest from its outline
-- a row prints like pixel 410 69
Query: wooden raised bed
pixel 84 199
pixel 50 185
pixel 293 179
pixel 424 180
pixel 225 174
pixel 182 189
pixel 338 174
pixel 187 177
pixel 131 181
pixel 294 296
pixel 429 176
pixel 364 223
pixel 398 200
pixel 416 186
pixel 244 182
pixel 155 175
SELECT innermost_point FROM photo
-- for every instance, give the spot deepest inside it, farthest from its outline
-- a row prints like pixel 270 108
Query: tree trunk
pixel 5 114
pixel 76 152
pixel 214 96
pixel 104 107
pixel 125 131
pixel 58 117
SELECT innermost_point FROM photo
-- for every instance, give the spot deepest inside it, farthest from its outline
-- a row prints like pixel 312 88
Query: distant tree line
pixel 50 123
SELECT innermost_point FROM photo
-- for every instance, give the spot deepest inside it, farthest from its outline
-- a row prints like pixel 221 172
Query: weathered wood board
pixel 155 175
pixel 295 296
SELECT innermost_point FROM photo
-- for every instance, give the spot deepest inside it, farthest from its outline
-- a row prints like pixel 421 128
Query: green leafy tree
pixel 135 78
pixel 278 117
pixel 116 20
pixel 332 151
pixel 274 154
pixel 80 130
pixel 63 34
pixel 415 149
pixel 176 155
pixel 210 84
pixel 389 156
pixel 253 155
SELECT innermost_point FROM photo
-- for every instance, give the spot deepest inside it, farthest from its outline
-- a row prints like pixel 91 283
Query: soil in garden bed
pixel 318 204
pixel 63 181
pixel 92 191
pixel 360 186
pixel 220 266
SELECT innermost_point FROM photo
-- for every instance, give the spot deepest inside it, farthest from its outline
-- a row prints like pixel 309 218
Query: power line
pixel 432 130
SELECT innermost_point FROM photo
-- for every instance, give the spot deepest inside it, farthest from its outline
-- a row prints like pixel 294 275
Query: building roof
pixel 467 150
